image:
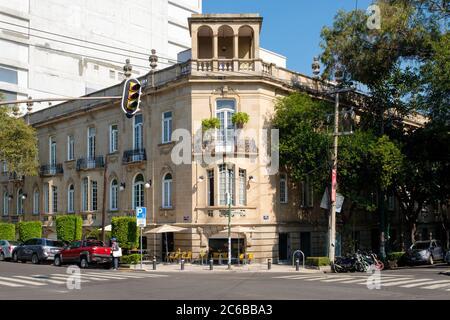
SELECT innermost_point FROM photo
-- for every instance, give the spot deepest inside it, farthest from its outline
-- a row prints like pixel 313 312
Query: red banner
pixel 333 185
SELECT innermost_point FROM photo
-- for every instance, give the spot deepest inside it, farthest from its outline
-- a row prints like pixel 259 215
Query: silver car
pixel 6 249
pixel 425 252
pixel 37 250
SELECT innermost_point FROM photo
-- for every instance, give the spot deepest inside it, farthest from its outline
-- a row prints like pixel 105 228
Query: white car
pixel 6 249
pixel 447 257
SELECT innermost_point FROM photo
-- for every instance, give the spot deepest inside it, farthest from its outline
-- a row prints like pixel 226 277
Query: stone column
pixel 236 52
pixel 215 51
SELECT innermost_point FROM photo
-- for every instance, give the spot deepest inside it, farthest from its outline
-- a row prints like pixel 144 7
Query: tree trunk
pixel 413 232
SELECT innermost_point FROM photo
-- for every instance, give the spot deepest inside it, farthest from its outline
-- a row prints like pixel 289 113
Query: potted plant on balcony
pixel 240 118
pixel 208 124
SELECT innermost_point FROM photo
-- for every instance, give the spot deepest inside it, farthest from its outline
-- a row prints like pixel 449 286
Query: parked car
pixel 425 252
pixel 84 253
pixel 37 250
pixel 6 249
pixel 447 257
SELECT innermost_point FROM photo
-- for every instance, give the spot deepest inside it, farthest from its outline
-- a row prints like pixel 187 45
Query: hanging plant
pixel 240 118
pixel 211 123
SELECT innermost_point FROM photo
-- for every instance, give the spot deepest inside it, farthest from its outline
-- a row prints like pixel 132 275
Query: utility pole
pixel 229 230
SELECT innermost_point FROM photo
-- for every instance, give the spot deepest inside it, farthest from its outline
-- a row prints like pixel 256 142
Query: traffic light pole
pixel 2 103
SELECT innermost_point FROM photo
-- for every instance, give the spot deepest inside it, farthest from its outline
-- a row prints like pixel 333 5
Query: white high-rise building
pixel 64 48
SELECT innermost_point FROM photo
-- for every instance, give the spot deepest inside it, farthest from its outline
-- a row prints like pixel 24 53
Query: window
pixel 138 133
pixel 8 75
pixel 55 198
pixel 36 201
pixel 94 192
pixel 226 184
pixel 167 191
pixel 242 187
pixel 224 112
pixel 19 202
pixel 113 138
pixel 167 127
pixel 112 74
pixel 46 198
pixel 283 189
pixel 91 143
pixel 307 193
pixel 210 187
pixel 5 203
pixel 8 96
pixel 70 148
pixel 70 198
pixel 52 148
pixel 84 195
pixel 113 195
pixel 4 166
pixel 138 191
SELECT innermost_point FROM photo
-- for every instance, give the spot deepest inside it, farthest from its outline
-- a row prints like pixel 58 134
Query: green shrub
pixel 317 261
pixel 211 123
pixel 29 230
pixel 69 228
pixel 126 232
pixel 240 118
pixel 7 231
pixel 395 256
pixel 97 235
pixel 134 258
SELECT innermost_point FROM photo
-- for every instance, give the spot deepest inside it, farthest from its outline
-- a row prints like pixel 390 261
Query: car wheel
pixel 14 257
pixel 2 256
pixel 430 260
pixel 34 258
pixel 57 261
pixel 83 263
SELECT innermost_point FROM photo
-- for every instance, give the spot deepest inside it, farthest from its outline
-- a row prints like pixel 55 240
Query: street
pixel 27 281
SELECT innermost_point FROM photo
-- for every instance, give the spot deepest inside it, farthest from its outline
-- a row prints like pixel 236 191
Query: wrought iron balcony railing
pixel 51 169
pixel 90 163
pixel 135 155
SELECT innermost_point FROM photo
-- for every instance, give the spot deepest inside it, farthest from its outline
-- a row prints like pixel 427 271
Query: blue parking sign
pixel 141 216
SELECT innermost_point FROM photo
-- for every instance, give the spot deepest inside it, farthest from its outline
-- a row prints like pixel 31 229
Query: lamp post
pixel 229 230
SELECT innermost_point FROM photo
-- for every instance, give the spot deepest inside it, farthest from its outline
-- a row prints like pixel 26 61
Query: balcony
pixel 90 163
pixel 135 155
pixel 51 169
pixel 14 177
pixel 229 143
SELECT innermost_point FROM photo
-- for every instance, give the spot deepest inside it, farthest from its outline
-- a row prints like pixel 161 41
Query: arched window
pixel 113 195
pixel 36 201
pixel 84 194
pixel 283 189
pixel 225 108
pixel 167 191
pixel 5 203
pixel 19 201
pixel 138 191
pixel 70 199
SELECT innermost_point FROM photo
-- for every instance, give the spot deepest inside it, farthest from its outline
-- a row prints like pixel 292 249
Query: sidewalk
pixel 195 268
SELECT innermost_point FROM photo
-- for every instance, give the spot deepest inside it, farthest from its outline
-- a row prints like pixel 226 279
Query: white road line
pixel 337 279
pixel 64 277
pixel 382 280
pixel 421 284
pixel 41 279
pixel 8 284
pixel 294 277
pixel 437 286
pixel 106 277
pixel 316 278
pixel 114 274
pixel 135 275
pixel 353 281
pixel 396 283
pixel 33 283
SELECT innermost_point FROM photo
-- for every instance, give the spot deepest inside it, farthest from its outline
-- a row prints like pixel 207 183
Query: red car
pixel 84 253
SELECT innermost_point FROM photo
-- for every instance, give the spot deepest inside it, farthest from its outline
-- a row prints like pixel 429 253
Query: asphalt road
pixel 27 281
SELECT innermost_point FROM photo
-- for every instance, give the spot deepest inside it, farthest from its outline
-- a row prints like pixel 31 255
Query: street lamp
pixel 148 184
pixel 122 186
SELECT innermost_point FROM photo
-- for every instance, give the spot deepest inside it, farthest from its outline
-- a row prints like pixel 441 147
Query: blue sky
pixel 290 27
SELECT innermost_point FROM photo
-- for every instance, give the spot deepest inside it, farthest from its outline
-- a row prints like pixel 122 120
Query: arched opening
pixel 246 43
pixel 71 199
pixel 225 42
pixel 167 191
pixel 113 195
pixel 205 42
pixel 138 191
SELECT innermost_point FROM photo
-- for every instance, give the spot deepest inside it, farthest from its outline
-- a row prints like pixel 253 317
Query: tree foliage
pixel 29 230
pixel 125 230
pixel 69 228
pixel 7 231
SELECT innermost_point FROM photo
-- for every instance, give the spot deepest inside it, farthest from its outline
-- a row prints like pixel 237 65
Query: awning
pixel 165 228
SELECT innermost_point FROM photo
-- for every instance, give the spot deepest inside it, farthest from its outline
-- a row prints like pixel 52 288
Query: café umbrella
pixel 165 228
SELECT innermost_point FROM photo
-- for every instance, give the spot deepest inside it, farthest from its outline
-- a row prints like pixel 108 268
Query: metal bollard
pixel 182 264
pixel 211 262
pixel 154 264
pixel 269 264
pixel 297 264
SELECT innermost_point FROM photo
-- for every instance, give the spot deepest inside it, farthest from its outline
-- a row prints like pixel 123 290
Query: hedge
pixel 126 232
pixel 69 228
pixel 29 230
pixel 97 234
pixel 134 258
pixel 395 255
pixel 317 261
pixel 7 231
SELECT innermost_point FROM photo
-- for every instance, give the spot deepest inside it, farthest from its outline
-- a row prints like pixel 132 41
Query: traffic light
pixel 131 97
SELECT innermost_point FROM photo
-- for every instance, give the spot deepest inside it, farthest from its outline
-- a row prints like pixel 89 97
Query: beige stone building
pixel 93 157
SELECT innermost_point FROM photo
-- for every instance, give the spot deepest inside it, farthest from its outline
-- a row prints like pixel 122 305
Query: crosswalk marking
pixel 104 277
pixel 8 284
pixel 41 279
pixel 338 279
pixel 437 286
pixel 64 277
pixel 315 278
pixel 396 283
pixel 112 275
pixel 421 284
pixel 33 283
pixel 383 280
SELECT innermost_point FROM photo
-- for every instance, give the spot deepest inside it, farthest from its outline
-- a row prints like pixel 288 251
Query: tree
pixel 18 144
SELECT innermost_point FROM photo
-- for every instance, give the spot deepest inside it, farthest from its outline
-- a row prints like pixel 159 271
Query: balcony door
pixel 225 136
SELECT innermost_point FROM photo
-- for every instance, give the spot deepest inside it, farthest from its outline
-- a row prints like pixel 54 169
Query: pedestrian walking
pixel 116 252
